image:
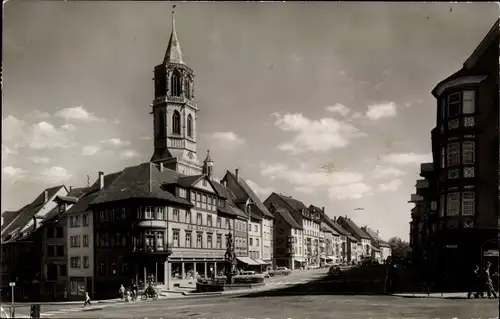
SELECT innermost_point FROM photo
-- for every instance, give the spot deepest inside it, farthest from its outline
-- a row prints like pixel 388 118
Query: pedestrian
pixel 121 291
pixel 488 283
pixel 474 283
pixel 87 299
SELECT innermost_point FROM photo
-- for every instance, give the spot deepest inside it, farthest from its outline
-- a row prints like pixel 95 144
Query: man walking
pixel 488 282
pixel 87 299
pixel 474 283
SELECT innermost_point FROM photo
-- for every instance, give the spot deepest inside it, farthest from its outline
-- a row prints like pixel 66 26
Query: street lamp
pixel 12 284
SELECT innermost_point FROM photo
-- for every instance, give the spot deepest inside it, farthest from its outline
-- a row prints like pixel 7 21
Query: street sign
pixel 491 253
pixel 12 284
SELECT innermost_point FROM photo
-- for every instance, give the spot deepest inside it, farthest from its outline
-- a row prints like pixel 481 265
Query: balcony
pixel 426 168
pixel 422 183
pixel 414 198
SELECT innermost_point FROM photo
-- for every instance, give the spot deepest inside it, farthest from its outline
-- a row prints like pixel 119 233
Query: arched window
pixel 175 84
pixel 190 126
pixel 187 88
pixel 176 123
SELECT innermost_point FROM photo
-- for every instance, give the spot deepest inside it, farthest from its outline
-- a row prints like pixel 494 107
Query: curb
pixel 431 297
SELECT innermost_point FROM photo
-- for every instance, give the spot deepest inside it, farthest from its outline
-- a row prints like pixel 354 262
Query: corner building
pixel 465 148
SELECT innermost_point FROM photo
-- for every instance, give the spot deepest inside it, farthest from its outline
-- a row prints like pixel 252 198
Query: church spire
pixel 208 165
pixel 174 53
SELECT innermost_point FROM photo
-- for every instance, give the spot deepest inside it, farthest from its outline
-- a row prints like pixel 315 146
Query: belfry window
pixel 175 84
pixel 176 123
pixel 190 126
pixel 187 89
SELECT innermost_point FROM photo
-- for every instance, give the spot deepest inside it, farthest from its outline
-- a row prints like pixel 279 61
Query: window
pixel 86 263
pixel 124 213
pixel 160 213
pixel 190 126
pixel 176 123
pixel 209 241
pixel 102 215
pixel 182 193
pixel 468 203
pixel 63 272
pixel 102 268
pixel 442 205
pixel 255 228
pixel 209 221
pixel 188 239
pixel 85 240
pixel 251 241
pixel 124 270
pixel 175 239
pixel 75 262
pixel 453 154
pixel 85 219
pixel 199 219
pixel 175 84
pixel 228 223
pixel 176 215
pixel 468 152
pixel 454 104
pixel 218 222
pixel 452 204
pixel 469 102
pixel 148 212
pixel 74 241
pixel 187 88
pixel 433 205
pixel 113 269
pixel 199 240
pixel 219 241
pixel 188 217
pixel 59 232
pixel 468 224
pixel 256 242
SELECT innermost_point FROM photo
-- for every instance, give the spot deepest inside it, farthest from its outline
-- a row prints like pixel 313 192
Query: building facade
pixel 363 240
pixel 465 156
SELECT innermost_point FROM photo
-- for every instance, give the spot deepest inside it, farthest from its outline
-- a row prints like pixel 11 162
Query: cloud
pixel 407 158
pixel 356 115
pixel 77 113
pixel 6 151
pixel 390 186
pixel 337 183
pixel 387 172
pixel 115 122
pixel 338 108
pixel 146 138
pixel 382 110
pixel 128 154
pixel 38 159
pixel 228 138
pixel 39 115
pixel 89 150
pixel 54 175
pixel 115 142
pixel 42 135
pixel 12 173
pixel 262 192
pixel 350 191
pixel 314 135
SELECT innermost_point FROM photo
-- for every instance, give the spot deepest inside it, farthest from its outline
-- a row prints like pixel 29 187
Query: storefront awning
pixel 300 260
pixel 248 261
pixel 260 261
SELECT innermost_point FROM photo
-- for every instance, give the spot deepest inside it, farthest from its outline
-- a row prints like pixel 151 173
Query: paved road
pixel 333 307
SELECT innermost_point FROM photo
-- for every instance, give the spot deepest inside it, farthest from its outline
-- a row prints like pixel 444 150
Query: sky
pixel 329 103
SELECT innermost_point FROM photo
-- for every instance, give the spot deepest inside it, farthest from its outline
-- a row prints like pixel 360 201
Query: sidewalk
pixel 446 295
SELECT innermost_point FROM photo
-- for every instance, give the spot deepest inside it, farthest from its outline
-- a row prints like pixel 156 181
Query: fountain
pixel 229 259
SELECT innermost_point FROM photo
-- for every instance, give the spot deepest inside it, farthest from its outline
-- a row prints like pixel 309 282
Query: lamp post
pixel 12 284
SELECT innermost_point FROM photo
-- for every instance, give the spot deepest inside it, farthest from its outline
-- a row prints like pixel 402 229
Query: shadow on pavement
pixel 350 282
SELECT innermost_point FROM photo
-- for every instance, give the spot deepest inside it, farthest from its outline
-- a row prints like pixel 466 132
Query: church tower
pixel 174 112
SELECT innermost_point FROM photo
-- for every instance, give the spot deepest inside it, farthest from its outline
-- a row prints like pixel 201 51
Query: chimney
pixel 34 222
pixel 237 173
pixel 323 209
pixel 70 188
pixel 161 166
pixel 377 232
pixel 335 218
pixel 101 180
pixel 46 196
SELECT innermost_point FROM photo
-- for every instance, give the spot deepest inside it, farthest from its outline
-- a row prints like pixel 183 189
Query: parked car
pixel 280 271
pixel 334 270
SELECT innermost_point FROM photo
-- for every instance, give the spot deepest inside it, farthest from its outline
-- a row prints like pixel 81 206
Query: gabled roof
pixel 287 217
pixel 292 202
pixel 356 231
pixel 231 208
pixel 326 228
pixel 187 181
pixel 374 236
pixel 140 181
pixel 83 203
pixel 251 194
pixel 75 195
pixel 25 214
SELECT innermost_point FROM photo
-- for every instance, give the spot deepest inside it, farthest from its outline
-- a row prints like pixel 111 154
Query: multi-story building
pixel 260 220
pixel 466 158
pixel 381 250
pixel 288 248
pixel 363 241
pixel 310 222
pixel 22 246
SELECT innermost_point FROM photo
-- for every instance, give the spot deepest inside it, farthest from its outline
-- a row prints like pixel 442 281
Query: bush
pixel 249 279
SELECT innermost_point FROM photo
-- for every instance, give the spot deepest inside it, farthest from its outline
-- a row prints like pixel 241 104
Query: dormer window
pixel 182 192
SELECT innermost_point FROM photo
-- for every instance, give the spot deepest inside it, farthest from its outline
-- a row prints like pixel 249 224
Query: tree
pixel 400 248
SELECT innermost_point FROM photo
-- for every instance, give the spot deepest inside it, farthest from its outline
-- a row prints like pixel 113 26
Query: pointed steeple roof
pixel 208 159
pixel 174 53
